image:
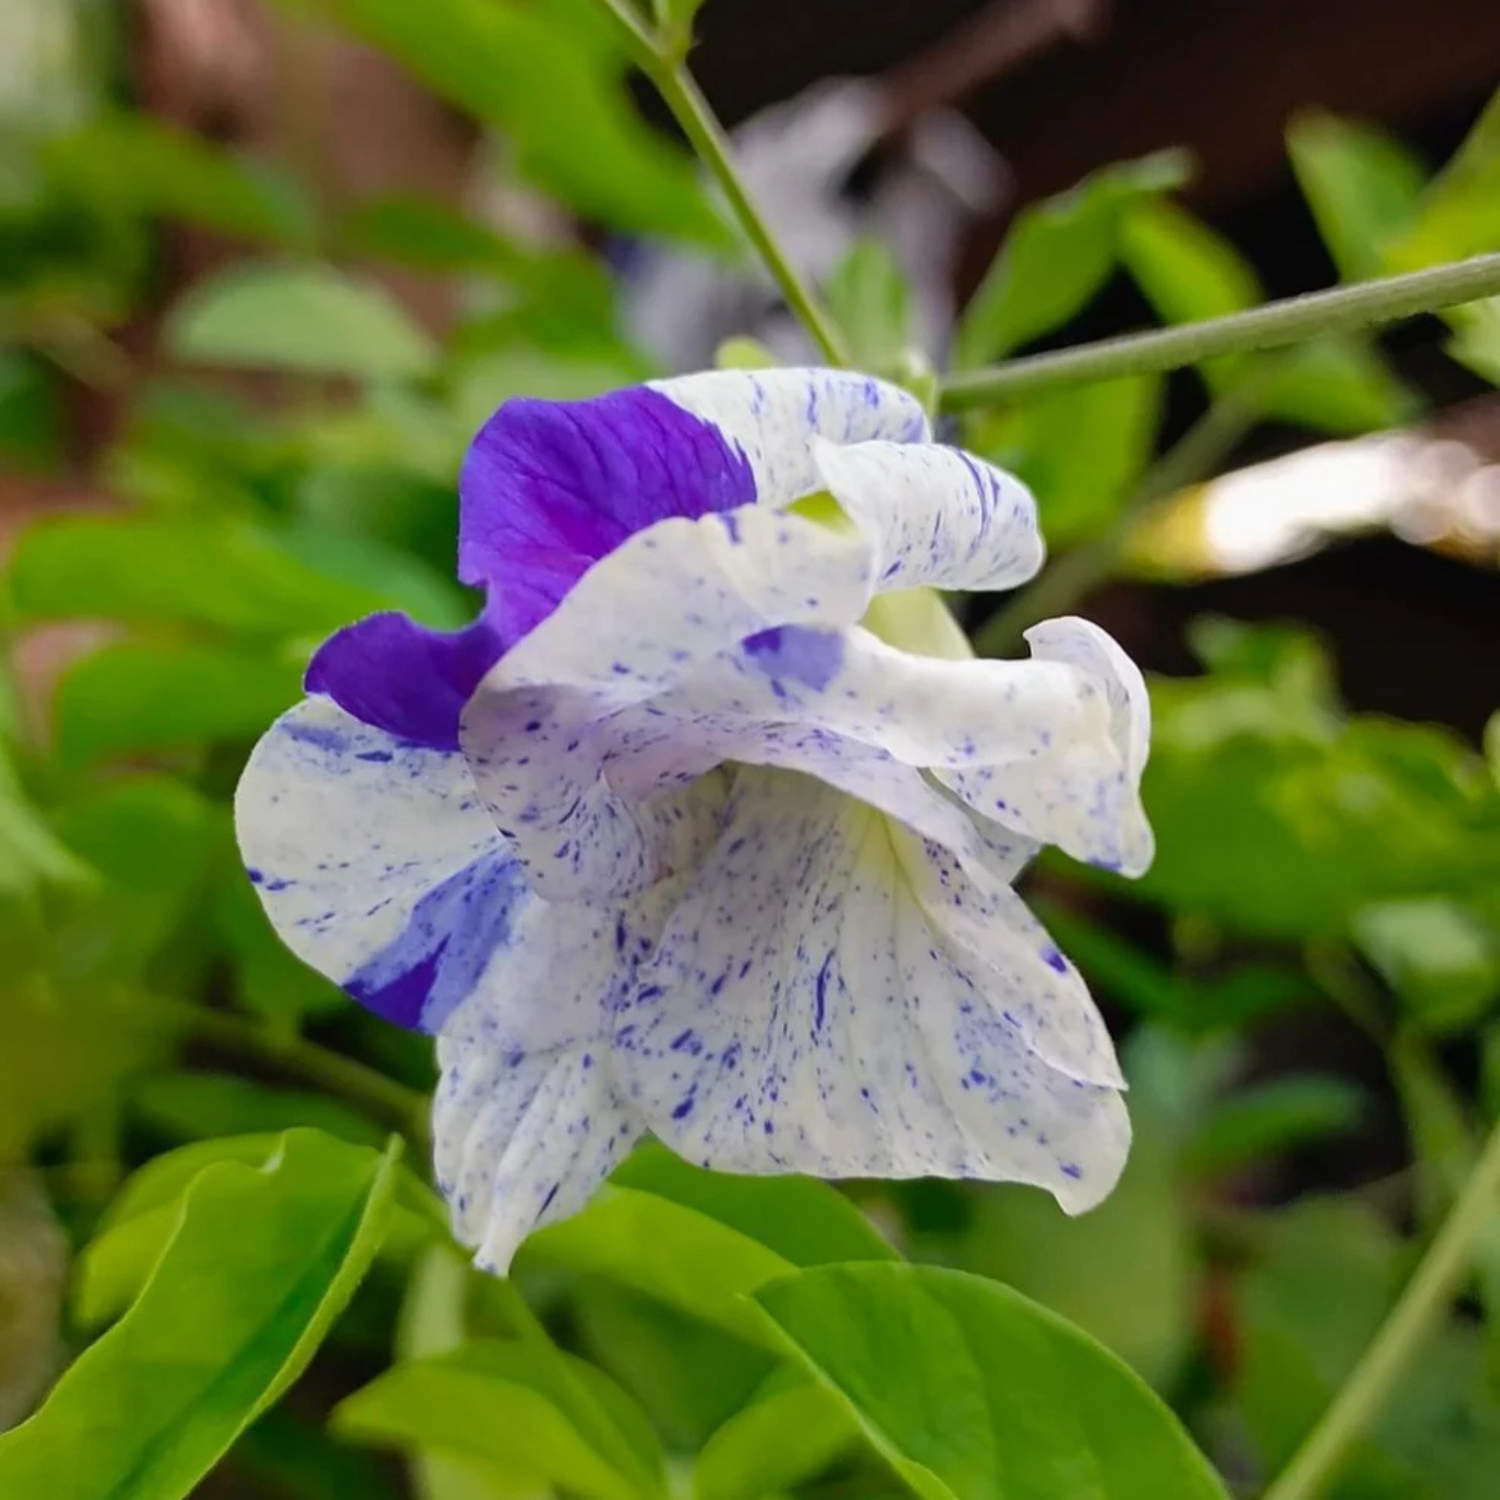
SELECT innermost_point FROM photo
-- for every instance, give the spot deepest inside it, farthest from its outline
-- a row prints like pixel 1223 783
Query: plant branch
pixel 1340 310
pixel 1196 455
pixel 1421 1306
pixel 663 65
pixel 342 1077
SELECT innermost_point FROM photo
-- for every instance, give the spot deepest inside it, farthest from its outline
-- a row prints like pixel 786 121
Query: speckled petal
pixel 538 731
pixel 527 1120
pixel 771 417
pixel 805 1012
pixel 936 515
pixel 1035 745
pixel 376 861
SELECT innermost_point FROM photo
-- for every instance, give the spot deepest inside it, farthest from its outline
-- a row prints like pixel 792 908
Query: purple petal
pixel 548 488
pixel 403 677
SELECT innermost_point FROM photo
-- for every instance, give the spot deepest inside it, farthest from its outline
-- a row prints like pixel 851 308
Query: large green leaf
pixel 790 1434
pixel 137 164
pixel 260 1264
pixel 309 319
pixel 521 1406
pixel 1058 254
pixel 227 574
pixel 136 697
pixel 700 1241
pixel 972 1392
pixel 558 97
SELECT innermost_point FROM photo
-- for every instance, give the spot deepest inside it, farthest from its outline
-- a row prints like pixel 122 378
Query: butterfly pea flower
pixel 708 825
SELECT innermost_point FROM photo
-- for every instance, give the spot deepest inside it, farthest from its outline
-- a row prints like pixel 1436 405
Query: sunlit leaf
pixel 261 1262
pixel 973 1392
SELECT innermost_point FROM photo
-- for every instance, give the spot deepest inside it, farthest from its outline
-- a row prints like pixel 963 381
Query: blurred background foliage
pixel 263 270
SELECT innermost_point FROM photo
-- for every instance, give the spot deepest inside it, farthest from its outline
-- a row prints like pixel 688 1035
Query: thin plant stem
pixel 344 1078
pixel 1420 1308
pixel 1342 309
pixel 663 65
pixel 1191 459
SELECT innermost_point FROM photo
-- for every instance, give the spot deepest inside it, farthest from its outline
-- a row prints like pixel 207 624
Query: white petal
pixel 527 1120
pixel 936 515
pixel 347 832
pixel 804 1013
pixel 671 598
pixel 771 416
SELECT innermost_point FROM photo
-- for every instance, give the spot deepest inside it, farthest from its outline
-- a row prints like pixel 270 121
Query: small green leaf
pixel 31 856
pixel 133 163
pixel 1361 184
pixel 1058 254
pixel 972 1392
pixel 130 698
pixel 871 302
pixel 1080 487
pixel 783 1439
pixel 310 319
pixel 191 1105
pixel 260 1264
pixel 524 1407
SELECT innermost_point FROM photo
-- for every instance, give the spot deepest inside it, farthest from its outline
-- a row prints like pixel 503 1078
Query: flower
pixel 677 837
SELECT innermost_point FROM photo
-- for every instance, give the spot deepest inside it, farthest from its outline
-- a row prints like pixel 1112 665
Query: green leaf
pixel 261 1263
pixel 700 1241
pixel 1058 254
pixel 783 1439
pixel 1080 487
pixel 1188 271
pixel 1340 386
pixel 30 855
pixel 807 1222
pixel 1361 184
pixel 1459 214
pixel 131 698
pixel 226 574
pixel 1439 956
pixel 973 1392
pixel 1307 1312
pixel 309 319
pixel 562 103
pixel 134 164
pixel 1277 1115
pixel 689 1375
pixel 522 1406
pixel 870 301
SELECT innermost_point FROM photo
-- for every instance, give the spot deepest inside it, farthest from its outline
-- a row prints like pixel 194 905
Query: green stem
pixel 1190 460
pixel 664 66
pixel 1421 1306
pixel 342 1077
pixel 1341 310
